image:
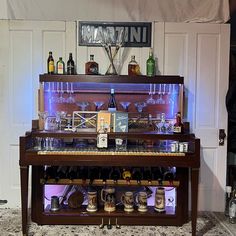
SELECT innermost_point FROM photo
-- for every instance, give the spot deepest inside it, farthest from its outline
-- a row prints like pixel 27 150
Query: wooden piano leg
pixel 24 176
pixel 194 197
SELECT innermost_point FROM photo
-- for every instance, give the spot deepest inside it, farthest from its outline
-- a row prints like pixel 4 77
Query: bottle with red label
pixel 178 127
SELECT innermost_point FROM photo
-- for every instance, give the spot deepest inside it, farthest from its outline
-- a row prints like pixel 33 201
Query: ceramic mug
pixel 92 201
pixel 141 200
pixel 108 197
pixel 128 201
pixel 160 199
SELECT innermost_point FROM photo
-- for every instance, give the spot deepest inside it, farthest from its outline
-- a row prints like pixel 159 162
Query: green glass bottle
pixel 150 64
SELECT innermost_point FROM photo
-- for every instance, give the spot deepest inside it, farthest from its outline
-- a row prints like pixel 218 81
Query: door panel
pixel 26 52
pixel 197 52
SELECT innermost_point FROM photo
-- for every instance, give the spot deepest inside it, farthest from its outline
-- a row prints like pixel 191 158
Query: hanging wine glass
pixel 125 105
pixel 152 92
pixel 70 91
pixel 160 100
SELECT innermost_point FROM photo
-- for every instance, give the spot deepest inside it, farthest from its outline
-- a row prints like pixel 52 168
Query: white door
pixel 200 53
pixel 24 51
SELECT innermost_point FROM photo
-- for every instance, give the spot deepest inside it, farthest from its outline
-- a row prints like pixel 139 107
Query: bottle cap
pixel 112 91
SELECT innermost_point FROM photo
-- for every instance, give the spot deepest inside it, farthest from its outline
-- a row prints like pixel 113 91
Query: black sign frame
pixel 138 34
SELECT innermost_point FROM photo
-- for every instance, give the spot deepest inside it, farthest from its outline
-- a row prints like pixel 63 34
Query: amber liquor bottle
pixel 133 67
pixel 178 127
pixel 91 67
pixel 50 64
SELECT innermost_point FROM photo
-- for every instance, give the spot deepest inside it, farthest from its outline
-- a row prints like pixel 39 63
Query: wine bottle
pixel 91 67
pixel 61 173
pixel 72 172
pixel 49 173
pixel 147 174
pixel 70 65
pixel 93 174
pixel 105 171
pixel 60 66
pixel 137 175
pixel 150 64
pixel 83 173
pixel 115 174
pixel 157 174
pixel 126 174
pixel 112 101
pixel 50 64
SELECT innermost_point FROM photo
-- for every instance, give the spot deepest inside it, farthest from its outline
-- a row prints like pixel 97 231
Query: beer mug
pixel 160 199
pixel 141 200
pixel 55 205
pixel 128 201
pixel 92 201
pixel 108 197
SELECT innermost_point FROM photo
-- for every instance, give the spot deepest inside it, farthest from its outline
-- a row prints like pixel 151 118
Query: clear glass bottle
pixel 133 67
pixel 112 101
pixel 91 67
pixel 102 137
pixel 60 66
pixel 232 208
pixel 50 64
pixel 150 64
pixel 163 126
pixel 70 65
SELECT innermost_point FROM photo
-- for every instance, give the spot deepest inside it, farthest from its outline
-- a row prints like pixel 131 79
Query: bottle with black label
pixel 72 172
pixel 147 174
pixel 49 173
pixel 105 171
pixel 70 65
pixel 137 175
pixel 112 101
pixel 91 67
pixel 61 173
pixel 115 174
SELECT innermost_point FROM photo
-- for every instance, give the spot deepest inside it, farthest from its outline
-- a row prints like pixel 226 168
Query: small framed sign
pixel 134 34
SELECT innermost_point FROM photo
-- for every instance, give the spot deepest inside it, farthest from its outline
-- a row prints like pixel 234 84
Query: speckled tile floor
pixel 208 224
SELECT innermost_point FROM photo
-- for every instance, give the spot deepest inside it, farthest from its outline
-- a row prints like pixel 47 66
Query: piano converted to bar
pixel 64 138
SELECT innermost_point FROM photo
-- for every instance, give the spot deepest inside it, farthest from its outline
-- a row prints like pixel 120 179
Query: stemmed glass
pixel 98 105
pixel 125 105
pixel 61 91
pixel 59 116
pixel 82 105
pixel 160 100
pixel 43 115
pixel 152 91
pixel 140 105
pixel 70 91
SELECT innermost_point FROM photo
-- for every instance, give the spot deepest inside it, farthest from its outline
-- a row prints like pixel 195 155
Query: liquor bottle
pixel 137 175
pixel 83 174
pixel 178 127
pixel 169 175
pixel 72 172
pixel 91 67
pixel 105 172
pixel 70 65
pixel 147 174
pixel 157 174
pixel 228 192
pixel 102 137
pixel 50 64
pixel 232 208
pixel 115 174
pixel 61 173
pixel 112 101
pixel 60 66
pixel 150 64
pixel 133 67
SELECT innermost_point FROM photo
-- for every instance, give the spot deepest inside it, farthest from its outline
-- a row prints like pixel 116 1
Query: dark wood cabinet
pixel 96 88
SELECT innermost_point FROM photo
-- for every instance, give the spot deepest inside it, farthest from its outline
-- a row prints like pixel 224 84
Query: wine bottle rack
pixel 119 182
